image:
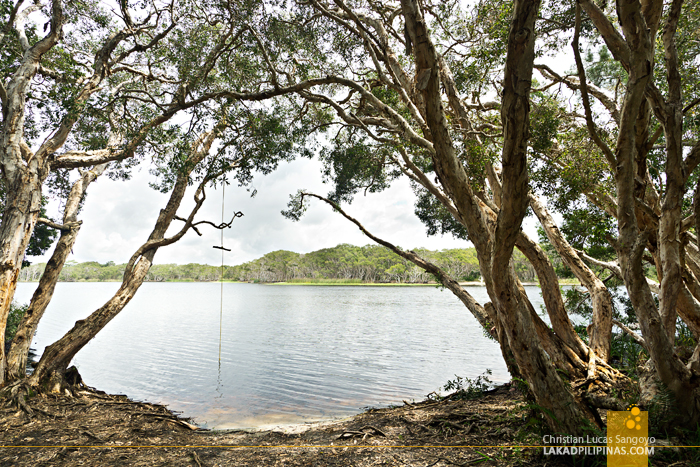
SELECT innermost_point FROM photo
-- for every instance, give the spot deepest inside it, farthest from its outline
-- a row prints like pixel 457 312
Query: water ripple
pixel 289 353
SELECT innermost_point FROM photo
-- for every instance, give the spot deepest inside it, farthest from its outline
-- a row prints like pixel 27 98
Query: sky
pixel 118 217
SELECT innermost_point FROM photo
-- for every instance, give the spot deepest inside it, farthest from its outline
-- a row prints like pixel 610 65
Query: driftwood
pixel 362 432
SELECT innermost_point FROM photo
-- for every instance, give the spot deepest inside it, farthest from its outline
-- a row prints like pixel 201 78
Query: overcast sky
pixel 118 217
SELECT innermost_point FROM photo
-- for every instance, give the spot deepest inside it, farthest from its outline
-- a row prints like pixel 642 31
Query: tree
pixel 645 151
pixel 193 161
pixel 646 219
pixel 412 117
pixel 398 123
pixel 71 94
pixel 130 79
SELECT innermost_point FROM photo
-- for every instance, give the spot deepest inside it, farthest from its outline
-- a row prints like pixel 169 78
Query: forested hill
pixel 369 263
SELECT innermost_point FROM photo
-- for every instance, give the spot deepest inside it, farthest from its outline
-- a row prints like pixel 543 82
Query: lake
pixel 290 354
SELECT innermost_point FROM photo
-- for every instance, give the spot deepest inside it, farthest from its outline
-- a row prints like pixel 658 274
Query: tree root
pixel 16 395
pixel 19 393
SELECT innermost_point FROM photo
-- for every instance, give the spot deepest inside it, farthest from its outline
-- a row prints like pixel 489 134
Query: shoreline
pixel 562 282
pixel 94 428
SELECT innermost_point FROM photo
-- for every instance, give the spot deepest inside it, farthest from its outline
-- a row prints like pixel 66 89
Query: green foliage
pixel 42 237
pixel 588 228
pixel 468 389
pixel 13 320
pixel 343 263
pixel 353 164
pixel 603 70
pixel 436 218
pixel 545 121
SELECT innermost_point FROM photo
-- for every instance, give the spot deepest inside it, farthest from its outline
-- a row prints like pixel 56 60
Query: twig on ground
pixel 196 458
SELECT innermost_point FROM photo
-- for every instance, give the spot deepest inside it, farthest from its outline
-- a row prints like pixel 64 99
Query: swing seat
pixel 221 248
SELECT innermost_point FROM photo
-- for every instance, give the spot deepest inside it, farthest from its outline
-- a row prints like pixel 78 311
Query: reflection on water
pixel 289 353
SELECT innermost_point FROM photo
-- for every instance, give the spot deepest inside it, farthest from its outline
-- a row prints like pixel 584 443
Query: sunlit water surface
pixel 289 354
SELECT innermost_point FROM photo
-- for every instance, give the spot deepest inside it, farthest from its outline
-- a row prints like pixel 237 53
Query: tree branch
pixel 221 226
pixel 613 39
pixel 637 338
pixel 584 94
pixel 596 92
pixel 62 227
pixel 474 307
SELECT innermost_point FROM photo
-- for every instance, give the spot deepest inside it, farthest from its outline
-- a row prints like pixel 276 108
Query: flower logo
pixel 633 419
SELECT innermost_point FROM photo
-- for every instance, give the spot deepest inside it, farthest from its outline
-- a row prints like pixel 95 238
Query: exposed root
pixel 601 390
pixel 16 395
pixel 105 430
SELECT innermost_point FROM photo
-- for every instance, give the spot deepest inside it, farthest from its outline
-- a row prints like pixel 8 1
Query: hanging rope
pixel 221 247
pixel 221 303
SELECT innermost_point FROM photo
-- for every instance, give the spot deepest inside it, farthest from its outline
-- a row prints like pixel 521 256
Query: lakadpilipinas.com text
pixel 597 446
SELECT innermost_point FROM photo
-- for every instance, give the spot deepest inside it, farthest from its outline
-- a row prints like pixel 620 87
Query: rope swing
pixel 221 247
pixel 221 275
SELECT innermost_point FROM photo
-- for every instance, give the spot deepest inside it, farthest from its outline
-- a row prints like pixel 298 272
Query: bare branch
pixel 349 118
pixel 142 48
pixel 596 92
pixel 266 56
pixel 474 307
pixel 221 226
pixel 62 227
pixel 149 76
pixel 19 20
pixel 612 267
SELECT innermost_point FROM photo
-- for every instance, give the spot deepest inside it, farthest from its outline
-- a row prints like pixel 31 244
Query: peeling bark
pixel 17 356
pixel 494 252
pixel 23 172
pixel 601 335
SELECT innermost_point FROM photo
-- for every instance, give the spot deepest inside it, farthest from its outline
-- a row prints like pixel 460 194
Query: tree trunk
pixel 549 284
pixel 17 356
pixel 56 357
pixel 51 368
pixel 494 254
pixel 601 336
pixel 671 370
pixel 22 171
pixel 20 216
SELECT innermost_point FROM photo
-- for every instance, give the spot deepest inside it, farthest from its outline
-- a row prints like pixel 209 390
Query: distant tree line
pixel 370 263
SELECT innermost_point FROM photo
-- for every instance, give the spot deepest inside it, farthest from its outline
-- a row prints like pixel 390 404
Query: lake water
pixel 289 354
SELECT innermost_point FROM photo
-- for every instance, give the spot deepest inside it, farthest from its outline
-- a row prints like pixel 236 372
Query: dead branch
pixel 67 227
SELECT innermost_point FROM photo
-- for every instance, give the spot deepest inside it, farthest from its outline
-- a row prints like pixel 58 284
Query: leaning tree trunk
pixel 548 389
pixel 56 357
pixel 601 335
pixel 19 349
